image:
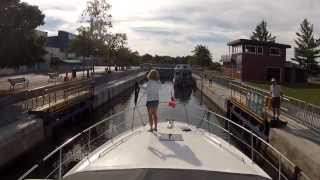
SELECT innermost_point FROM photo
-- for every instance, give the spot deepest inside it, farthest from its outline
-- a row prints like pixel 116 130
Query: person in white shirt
pixel 275 92
pixel 152 91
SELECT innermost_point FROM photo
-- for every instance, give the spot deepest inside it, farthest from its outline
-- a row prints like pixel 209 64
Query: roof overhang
pixel 254 42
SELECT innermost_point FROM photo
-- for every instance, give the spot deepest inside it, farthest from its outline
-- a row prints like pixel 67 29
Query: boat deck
pixel 192 150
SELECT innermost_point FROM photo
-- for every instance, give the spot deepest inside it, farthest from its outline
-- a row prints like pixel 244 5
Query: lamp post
pixel 96 50
pixel 202 76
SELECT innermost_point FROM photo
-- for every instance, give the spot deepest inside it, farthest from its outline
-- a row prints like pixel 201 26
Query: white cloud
pixel 170 27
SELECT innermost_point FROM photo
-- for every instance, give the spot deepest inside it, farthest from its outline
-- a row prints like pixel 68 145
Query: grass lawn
pixel 306 92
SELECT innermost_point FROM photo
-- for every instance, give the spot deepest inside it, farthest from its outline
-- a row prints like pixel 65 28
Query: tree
pixel 147 58
pixel 216 66
pixel 92 37
pixel 135 58
pixel 83 45
pixel 126 57
pixel 95 36
pixel 97 15
pixel 261 33
pixel 19 42
pixel 202 55
pixel 307 49
pixel 115 42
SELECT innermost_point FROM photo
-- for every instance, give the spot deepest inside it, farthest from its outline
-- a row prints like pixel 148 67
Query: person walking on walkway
pixel 152 91
pixel 275 92
pixel 210 82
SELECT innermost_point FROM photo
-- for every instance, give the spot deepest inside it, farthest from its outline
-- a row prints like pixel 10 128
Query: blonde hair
pixel 153 75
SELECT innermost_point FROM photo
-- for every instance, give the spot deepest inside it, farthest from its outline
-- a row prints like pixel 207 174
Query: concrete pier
pixel 295 141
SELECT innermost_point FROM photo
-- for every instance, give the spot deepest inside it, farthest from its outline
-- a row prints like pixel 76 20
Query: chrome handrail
pixel 280 156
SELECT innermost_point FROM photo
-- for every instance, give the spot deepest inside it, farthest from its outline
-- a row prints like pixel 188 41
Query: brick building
pixel 251 60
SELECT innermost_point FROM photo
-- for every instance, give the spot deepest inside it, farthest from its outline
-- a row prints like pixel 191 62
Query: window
pixel 250 49
pixel 260 50
pixel 236 49
pixel 274 51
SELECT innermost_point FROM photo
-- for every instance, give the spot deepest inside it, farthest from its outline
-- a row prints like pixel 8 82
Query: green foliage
pixel 216 66
pixel 83 44
pixel 147 58
pixel 97 15
pixel 19 43
pixel 202 55
pixel 95 38
pixel 115 42
pixel 307 49
pixel 261 33
pixel 125 57
pixel 92 37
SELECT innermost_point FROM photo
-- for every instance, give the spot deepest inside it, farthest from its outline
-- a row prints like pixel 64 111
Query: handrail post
pixel 49 100
pixel 89 140
pixel 111 126
pixel 132 125
pixel 60 164
pixel 252 147
pixel 228 132
pixel 279 168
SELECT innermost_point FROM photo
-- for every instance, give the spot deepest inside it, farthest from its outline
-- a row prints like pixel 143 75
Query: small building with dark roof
pixel 62 41
pixel 251 60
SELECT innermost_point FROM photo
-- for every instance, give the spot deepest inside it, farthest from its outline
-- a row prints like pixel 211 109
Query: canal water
pixel 188 102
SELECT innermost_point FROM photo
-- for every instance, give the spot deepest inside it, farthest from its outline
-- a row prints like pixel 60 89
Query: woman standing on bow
pixel 152 91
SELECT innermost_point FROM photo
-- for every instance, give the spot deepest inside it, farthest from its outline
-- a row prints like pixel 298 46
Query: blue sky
pixel 174 27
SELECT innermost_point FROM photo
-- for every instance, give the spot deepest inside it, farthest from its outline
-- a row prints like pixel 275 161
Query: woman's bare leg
pixel 155 117
pixel 150 117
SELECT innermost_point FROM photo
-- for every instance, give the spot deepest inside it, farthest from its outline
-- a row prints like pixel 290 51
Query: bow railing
pixel 110 130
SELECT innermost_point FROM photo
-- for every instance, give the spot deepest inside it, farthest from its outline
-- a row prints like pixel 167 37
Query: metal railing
pixel 302 112
pixel 114 130
pixel 251 100
pixel 49 100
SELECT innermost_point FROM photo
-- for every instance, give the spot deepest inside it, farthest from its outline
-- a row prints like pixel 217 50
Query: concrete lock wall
pixel 289 146
pixel 105 93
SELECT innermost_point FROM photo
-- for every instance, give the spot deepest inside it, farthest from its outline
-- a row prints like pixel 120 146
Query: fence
pixel 52 100
pixel 302 112
pixel 250 99
pixel 116 128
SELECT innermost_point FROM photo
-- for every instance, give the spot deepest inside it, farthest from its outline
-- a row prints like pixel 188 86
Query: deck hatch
pixel 170 137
